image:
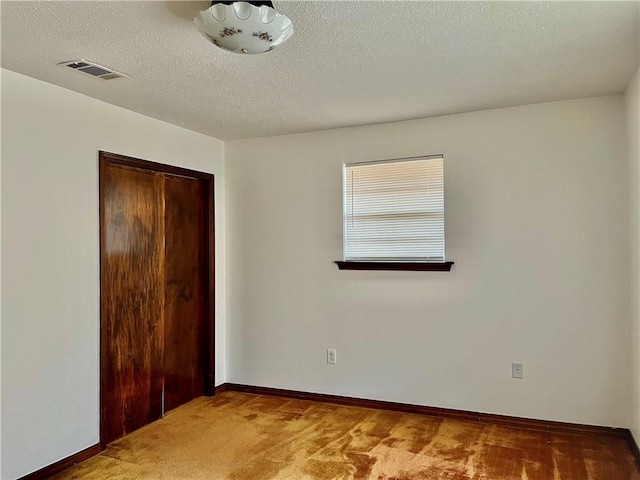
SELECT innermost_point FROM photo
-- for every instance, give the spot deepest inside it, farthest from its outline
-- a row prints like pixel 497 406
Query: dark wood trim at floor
pixel 221 388
pixel 633 445
pixel 502 420
pixel 63 464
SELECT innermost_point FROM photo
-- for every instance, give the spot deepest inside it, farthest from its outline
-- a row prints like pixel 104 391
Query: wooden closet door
pixel 157 291
pixel 186 267
pixel 132 332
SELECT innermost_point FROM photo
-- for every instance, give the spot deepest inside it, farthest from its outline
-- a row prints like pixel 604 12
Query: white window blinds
pixel 394 210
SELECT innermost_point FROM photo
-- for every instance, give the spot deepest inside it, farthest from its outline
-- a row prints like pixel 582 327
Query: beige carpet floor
pixel 236 436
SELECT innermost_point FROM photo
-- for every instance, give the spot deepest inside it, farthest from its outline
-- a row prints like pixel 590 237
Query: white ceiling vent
pixel 92 69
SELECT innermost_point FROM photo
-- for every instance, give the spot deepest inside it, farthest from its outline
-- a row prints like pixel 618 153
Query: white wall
pixel 632 101
pixel 536 221
pixel 50 310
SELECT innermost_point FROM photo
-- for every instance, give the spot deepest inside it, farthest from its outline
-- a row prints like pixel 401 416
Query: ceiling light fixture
pixel 244 27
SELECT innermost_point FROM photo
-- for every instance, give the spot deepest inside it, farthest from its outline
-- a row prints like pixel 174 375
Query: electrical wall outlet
pixel 516 370
pixel 331 356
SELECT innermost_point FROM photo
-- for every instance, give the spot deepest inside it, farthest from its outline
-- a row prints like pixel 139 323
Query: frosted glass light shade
pixel 244 28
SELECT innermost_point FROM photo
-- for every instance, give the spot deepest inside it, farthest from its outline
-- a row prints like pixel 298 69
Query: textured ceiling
pixel 348 63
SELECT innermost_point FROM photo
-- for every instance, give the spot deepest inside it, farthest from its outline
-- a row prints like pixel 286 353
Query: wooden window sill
pixel 407 266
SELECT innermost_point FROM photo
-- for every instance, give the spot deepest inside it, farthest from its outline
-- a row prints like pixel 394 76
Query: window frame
pixel 387 264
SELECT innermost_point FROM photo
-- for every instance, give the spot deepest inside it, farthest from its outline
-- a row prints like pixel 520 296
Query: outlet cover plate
pixel 516 370
pixel 331 356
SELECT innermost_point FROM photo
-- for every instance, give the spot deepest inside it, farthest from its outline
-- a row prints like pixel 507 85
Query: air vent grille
pixel 92 69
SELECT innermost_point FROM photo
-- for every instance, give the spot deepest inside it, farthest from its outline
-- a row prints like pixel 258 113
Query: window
pixel 394 212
